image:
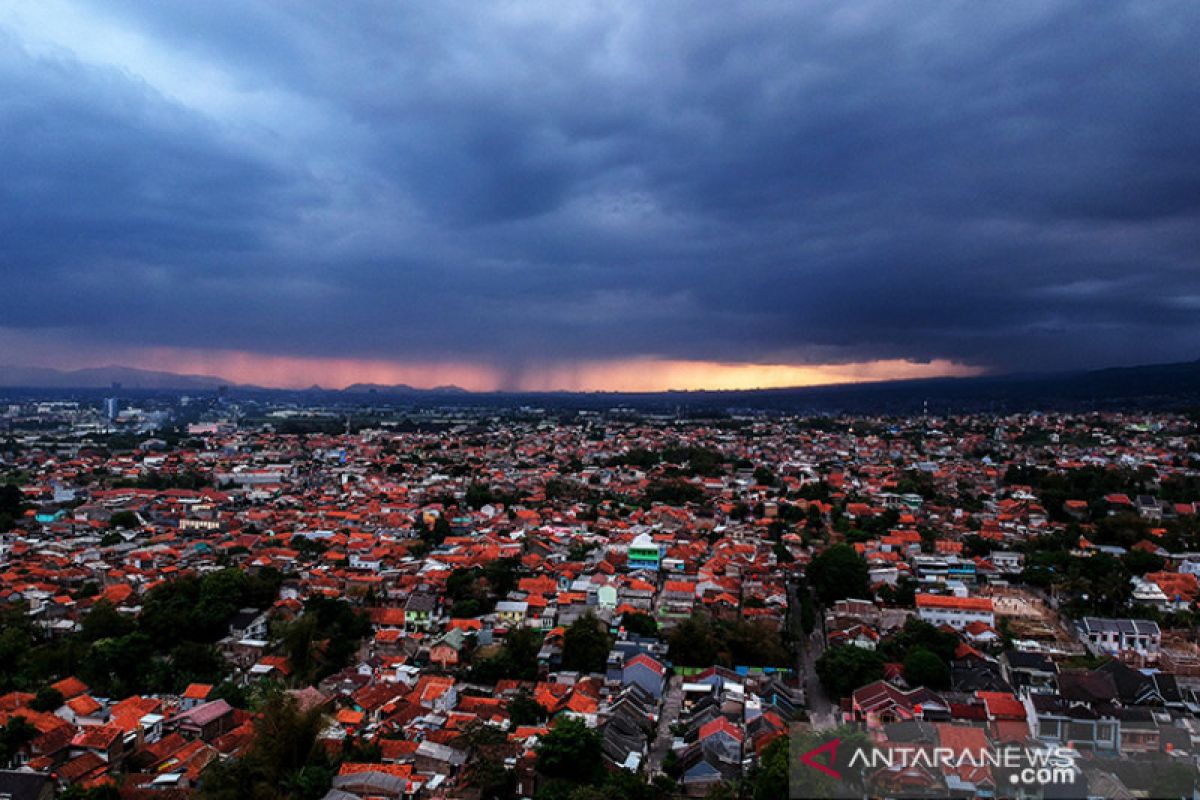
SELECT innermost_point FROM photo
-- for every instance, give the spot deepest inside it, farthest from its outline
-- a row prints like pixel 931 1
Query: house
pixel 419 610
pixel 511 613
pixel 438 758
pixel 1128 639
pixel 1029 672
pixel 445 651
pixel 248 623
pixel 206 721
pixel 195 694
pixel 1056 721
pixel 707 762
pixel 646 672
pixel 22 785
pixel 643 553
pixel 628 727
pixel 957 612
pixel 104 741
pixel 879 703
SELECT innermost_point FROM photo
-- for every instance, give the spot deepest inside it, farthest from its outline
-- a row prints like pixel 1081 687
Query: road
pixel 672 704
pixel 820 708
pixel 821 711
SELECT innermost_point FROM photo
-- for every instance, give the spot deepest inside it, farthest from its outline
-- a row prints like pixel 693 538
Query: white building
pixel 957 612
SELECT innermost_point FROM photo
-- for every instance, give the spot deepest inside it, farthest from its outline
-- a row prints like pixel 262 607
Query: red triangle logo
pixel 831 747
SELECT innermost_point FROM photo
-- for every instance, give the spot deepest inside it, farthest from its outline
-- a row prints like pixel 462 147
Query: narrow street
pixel 820 708
pixel 669 715
pixel 808 650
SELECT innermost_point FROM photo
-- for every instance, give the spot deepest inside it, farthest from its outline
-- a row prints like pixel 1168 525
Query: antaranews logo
pixel 849 763
pixel 829 748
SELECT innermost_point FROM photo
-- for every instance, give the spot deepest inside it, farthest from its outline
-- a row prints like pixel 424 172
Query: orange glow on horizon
pixel 645 374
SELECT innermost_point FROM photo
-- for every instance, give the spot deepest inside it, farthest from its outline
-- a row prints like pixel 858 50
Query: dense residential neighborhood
pixel 203 597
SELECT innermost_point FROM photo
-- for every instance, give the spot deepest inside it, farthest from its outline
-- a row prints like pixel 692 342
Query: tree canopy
pixel 846 668
pixel 839 572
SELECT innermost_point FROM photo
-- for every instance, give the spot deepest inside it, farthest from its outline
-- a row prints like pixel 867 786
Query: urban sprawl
pixel 214 597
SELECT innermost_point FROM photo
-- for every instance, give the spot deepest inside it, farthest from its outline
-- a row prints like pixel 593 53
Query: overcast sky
pixel 543 191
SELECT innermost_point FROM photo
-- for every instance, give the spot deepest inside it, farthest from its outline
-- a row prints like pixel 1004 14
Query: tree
pixel 639 624
pixel 844 669
pixel 770 777
pixel 764 476
pixel 808 615
pixel 14 735
pixel 47 699
pixel 923 668
pixel 11 505
pixel 673 492
pixel 919 633
pixel 124 519
pixel 571 751
pixel 516 659
pixel 105 622
pixel 485 771
pixel 524 710
pixel 585 645
pixel 1139 562
pixel 839 572
pixel 284 760
pixel 692 643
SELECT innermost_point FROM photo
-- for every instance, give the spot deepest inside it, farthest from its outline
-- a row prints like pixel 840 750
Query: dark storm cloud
pixel 1010 185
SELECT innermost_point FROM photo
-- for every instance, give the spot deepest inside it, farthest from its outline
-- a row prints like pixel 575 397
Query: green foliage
pixel 200 608
pixel 844 669
pixel 124 519
pixel 188 479
pixel 12 505
pixel 923 668
pixel 571 751
pixel 1095 585
pixel 103 621
pixel 586 644
pixel 640 624
pixel 323 639
pixel 769 778
pixel 233 693
pixel 903 594
pixel 1173 779
pixel 764 476
pixel 524 710
pixel 917 633
pixel 839 572
pixel 701 641
pixel 476 590
pixel 516 659
pixel 1139 562
pixel 284 760
pixel 47 699
pixel 673 492
pixel 808 614
pixel 14 734
pixel 485 771
pixel 1085 483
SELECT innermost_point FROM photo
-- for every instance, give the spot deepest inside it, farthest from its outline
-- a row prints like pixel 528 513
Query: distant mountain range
pixel 1157 385
pixel 104 377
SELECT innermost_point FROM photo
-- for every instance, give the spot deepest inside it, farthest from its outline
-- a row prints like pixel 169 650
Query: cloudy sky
pixel 599 195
